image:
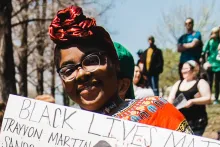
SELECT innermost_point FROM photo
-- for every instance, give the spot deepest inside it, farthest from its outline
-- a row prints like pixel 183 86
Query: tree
pixel 41 47
pixel 7 68
pixel 172 27
pixel 27 26
pixel 170 70
pixel 23 54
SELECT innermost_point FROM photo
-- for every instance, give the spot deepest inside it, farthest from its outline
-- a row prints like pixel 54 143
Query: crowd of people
pixel 198 65
pixel 100 75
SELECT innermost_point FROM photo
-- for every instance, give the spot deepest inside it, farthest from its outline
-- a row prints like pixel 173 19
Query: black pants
pixel 216 76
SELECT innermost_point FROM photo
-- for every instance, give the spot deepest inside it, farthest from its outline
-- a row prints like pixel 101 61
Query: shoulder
pixel 202 82
pixel 155 111
pixel 166 116
pixel 158 50
pixel 197 33
pixel 177 83
pixel 174 88
pixel 208 41
pixel 211 41
pixel 146 50
pixel 182 36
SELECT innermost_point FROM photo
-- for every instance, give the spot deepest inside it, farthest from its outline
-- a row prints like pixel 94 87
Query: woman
pixel 89 68
pixel 213 60
pixel 140 91
pixel 197 93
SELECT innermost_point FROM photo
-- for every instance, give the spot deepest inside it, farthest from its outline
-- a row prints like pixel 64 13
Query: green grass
pixel 213 121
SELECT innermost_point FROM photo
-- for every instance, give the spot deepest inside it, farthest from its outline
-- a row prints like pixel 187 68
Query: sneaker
pixel 216 102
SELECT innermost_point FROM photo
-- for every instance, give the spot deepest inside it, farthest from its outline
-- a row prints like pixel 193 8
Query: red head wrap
pixel 70 23
pixel 71 26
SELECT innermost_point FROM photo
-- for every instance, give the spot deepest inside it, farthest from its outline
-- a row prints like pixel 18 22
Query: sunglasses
pixel 188 23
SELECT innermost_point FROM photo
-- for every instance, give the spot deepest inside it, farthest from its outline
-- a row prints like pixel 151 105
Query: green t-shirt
pixel 211 47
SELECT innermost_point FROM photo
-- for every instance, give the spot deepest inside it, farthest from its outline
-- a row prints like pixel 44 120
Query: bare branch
pixel 105 9
pixel 30 20
pixel 22 7
pixel 32 82
pixel 172 25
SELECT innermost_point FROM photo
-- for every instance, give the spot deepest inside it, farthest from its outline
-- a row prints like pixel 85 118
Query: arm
pixel 173 91
pixel 205 49
pixel 161 61
pixel 204 96
pixel 196 41
pixel 180 44
pixel 192 44
pixel 144 60
pixel 186 46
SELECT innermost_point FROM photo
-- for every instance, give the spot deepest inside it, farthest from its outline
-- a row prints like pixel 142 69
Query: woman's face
pixel 91 90
pixel 186 71
pixel 137 75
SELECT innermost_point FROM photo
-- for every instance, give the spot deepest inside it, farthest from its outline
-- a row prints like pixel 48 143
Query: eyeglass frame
pixel 76 66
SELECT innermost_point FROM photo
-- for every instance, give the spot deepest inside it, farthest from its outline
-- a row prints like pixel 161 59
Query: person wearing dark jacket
pixel 153 65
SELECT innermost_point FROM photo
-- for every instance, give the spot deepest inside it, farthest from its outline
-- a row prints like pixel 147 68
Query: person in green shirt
pixel 213 61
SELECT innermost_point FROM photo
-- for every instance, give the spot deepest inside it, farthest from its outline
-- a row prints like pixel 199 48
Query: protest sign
pixel 32 123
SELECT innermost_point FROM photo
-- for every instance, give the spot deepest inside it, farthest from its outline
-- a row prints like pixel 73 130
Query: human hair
pixel 194 67
pixel 71 27
pixel 215 32
pixel 151 38
pixel 2 111
pixel 142 81
pixel 190 18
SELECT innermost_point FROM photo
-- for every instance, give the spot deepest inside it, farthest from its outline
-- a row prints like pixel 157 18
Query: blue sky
pixel 131 22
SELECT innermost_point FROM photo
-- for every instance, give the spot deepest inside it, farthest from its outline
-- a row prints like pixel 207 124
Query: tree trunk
pixel 40 49
pixel 7 67
pixel 53 74
pixel 53 68
pixel 22 67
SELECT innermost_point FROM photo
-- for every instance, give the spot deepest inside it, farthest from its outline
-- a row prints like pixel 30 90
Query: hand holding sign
pixel 46 98
pixel 180 101
pixel 189 103
pixel 59 126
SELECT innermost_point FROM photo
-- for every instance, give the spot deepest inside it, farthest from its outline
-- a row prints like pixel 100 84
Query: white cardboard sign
pixel 32 123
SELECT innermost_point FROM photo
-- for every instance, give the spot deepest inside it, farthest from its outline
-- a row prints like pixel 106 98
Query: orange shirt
pixel 155 111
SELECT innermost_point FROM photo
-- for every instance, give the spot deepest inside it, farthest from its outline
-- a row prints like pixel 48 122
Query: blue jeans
pixel 154 84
